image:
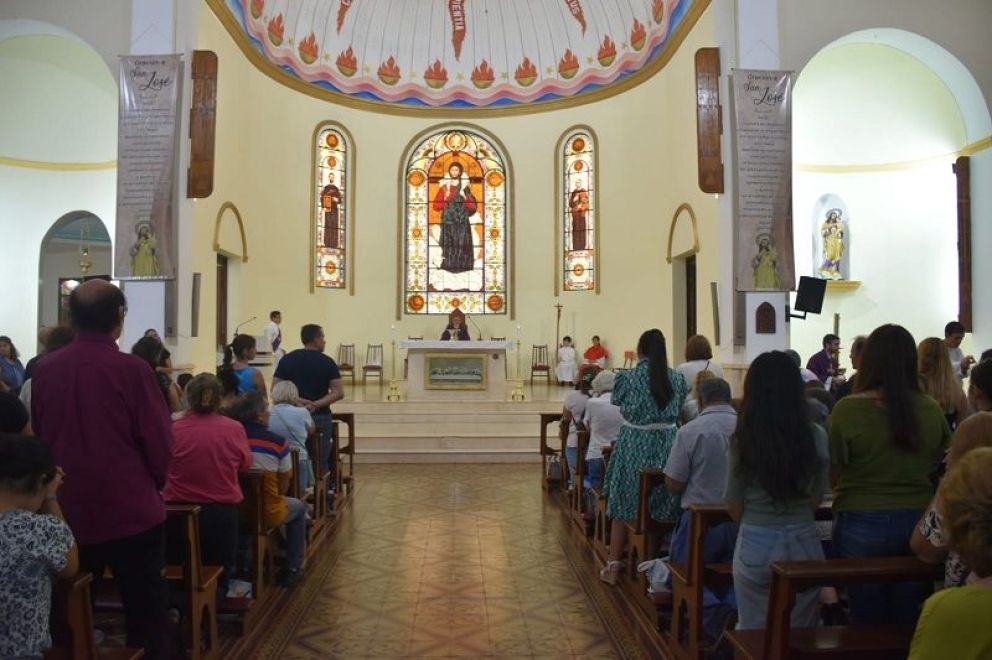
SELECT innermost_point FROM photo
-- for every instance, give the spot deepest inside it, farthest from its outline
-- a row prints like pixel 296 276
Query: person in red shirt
pixel 594 358
pixel 101 413
pixel 208 452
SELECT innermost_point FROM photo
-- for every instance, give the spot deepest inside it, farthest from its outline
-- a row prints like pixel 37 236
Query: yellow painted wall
pixel 647 166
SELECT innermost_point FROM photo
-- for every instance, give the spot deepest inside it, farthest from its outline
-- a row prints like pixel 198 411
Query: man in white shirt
pixel 960 363
pixel 273 337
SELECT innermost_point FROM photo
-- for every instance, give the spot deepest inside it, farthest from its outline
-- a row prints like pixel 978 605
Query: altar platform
pixel 447 431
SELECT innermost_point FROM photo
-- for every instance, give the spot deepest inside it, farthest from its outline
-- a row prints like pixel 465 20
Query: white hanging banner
pixel 147 142
pixel 763 126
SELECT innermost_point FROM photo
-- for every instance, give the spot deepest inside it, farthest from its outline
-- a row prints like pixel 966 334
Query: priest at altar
pixel 456 329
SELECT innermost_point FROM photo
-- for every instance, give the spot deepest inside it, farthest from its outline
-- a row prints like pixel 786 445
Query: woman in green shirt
pixel 886 441
pixel 777 473
pixel 955 622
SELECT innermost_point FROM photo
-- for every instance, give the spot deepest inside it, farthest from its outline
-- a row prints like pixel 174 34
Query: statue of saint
pixel 578 207
pixel 832 231
pixel 765 265
pixel 144 260
pixel 456 203
pixel 330 201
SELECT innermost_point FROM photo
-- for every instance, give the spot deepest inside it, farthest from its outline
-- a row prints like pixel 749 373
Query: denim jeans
pixel 305 477
pixel 572 458
pixel 718 548
pixel 325 424
pixel 757 547
pixel 595 471
pixel 863 534
pixel 296 533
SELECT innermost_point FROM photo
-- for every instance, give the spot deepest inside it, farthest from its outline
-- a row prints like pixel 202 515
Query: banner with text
pixel 763 126
pixel 147 133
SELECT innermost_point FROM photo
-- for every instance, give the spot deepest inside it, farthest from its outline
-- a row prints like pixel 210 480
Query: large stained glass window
pixel 332 213
pixel 455 232
pixel 578 247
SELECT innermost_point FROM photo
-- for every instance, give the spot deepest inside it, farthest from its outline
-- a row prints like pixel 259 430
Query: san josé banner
pixel 763 125
pixel 148 128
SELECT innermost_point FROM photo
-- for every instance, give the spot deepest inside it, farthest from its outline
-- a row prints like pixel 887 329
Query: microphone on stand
pixel 238 327
pixel 479 337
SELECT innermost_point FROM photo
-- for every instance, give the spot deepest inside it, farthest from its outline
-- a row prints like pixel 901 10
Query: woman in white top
pixel 294 423
pixel 567 369
pixel 698 357
pixel 603 420
pixel 574 409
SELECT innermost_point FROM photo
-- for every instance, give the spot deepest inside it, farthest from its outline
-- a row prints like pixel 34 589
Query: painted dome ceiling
pixel 458 54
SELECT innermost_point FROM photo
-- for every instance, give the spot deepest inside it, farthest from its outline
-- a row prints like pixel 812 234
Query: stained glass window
pixel 455 238
pixel 332 215
pixel 578 203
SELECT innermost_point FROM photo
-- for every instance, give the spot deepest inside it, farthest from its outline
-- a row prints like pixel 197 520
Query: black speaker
pixel 809 296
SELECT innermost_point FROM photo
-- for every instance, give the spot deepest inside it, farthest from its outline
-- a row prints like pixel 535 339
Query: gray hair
pixel 603 382
pixel 713 390
pixel 285 392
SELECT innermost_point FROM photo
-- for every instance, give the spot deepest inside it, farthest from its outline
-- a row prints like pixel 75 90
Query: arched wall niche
pixel 683 233
pixel 75 248
pixel 888 155
pixel 229 232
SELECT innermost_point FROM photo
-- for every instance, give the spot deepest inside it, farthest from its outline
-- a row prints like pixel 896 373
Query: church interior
pixel 485 206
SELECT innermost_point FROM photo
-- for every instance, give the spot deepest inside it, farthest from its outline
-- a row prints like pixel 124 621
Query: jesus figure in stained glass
pixel 456 204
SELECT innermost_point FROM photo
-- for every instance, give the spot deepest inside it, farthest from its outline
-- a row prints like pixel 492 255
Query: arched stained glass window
pixel 331 208
pixel 455 233
pixel 578 193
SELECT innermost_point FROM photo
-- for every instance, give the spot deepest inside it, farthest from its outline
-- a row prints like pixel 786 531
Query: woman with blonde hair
pixel 929 540
pixel 938 380
pixel 954 622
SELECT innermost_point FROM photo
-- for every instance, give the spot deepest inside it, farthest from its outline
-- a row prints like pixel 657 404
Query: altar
pixel 456 370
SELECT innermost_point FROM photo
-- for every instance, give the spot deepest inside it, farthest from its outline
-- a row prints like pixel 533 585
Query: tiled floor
pixel 448 560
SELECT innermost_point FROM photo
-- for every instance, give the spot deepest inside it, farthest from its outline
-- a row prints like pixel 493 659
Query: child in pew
pixel 955 622
pixel 776 475
pixel 35 543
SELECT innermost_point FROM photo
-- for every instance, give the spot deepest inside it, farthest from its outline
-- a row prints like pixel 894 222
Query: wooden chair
pixel 778 641
pixel 197 583
pixel 539 364
pixel 346 361
pixel 406 360
pixel 373 364
pixel 629 359
pixel 259 534
pixel 548 454
pixel 72 624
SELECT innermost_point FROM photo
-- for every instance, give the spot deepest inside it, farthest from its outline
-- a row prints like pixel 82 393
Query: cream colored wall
pixel 647 168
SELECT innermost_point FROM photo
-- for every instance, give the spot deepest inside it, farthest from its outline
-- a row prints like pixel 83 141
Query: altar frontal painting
pixel 455 372
pixel 455 226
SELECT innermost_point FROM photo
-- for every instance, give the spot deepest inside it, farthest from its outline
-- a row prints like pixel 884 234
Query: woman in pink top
pixel 208 452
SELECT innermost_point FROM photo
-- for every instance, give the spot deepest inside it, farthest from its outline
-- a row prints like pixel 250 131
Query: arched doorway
pixel 76 248
pixel 879 118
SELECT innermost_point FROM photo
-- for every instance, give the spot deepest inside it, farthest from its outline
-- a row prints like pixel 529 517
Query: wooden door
pixel 221 300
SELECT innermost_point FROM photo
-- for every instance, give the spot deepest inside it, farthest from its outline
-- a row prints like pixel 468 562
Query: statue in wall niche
pixel 834 235
pixel 765 264
pixel 144 260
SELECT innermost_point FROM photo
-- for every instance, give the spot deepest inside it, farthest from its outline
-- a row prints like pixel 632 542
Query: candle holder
pixel 394 389
pixel 517 393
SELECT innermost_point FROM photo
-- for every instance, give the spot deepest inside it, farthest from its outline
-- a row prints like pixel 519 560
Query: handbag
pixel 554 469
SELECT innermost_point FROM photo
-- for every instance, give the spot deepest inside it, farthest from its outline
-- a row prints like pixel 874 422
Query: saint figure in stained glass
pixel 578 206
pixel 330 201
pixel 455 202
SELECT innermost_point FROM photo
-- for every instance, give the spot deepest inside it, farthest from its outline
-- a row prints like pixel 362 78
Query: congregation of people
pixel 811 463
pixel 94 442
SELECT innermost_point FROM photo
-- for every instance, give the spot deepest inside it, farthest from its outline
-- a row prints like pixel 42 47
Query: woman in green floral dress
pixel 650 397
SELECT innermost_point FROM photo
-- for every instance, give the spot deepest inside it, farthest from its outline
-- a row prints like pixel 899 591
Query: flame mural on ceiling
pixel 462 54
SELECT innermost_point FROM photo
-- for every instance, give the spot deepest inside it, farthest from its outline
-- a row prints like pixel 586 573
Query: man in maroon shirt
pixel 103 416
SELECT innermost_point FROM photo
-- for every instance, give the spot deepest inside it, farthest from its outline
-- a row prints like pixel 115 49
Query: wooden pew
pixel 685 636
pixel 198 583
pixel 72 624
pixel 644 539
pixel 602 524
pixel 253 525
pixel 777 641
pixel 578 504
pixel 547 453
pixel 345 481
pixel 321 477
